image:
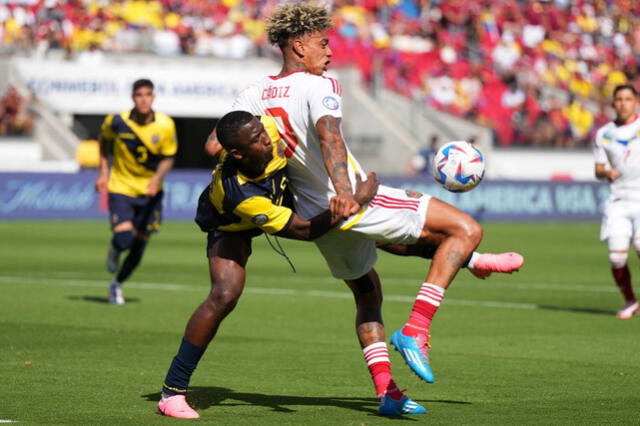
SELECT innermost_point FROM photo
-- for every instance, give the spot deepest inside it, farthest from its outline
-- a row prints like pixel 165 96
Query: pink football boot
pixel 176 406
pixel 505 263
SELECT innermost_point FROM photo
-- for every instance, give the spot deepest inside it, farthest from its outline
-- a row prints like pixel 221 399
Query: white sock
pixel 474 257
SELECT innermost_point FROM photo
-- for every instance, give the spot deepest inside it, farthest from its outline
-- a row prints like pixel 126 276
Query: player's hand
pixel 366 190
pixel 343 205
pixel 153 188
pixel 102 183
pixel 612 175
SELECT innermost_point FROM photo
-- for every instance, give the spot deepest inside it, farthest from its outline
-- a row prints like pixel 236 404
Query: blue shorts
pixel 144 212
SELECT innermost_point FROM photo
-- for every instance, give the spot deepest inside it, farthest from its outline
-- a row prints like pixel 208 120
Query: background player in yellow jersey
pixel 245 198
pixel 142 143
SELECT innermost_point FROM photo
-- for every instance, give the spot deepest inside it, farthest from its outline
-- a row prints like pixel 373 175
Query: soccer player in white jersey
pixel 617 157
pixel 321 172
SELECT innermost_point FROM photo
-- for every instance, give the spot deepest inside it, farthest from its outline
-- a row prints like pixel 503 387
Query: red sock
pixel 377 358
pixel 424 308
pixel 623 280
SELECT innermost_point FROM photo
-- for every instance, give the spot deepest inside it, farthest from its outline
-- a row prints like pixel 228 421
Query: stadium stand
pixel 540 72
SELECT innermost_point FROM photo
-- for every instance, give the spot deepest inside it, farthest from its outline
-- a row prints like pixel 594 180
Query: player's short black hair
pixel 228 126
pixel 621 87
pixel 143 82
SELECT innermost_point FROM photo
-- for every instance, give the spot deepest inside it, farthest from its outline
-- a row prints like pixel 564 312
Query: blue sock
pixel 181 369
pixel 132 260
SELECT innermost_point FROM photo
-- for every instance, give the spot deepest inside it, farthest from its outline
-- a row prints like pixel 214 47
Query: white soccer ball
pixel 458 166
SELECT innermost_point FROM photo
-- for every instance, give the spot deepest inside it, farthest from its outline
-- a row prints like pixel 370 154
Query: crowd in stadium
pixel 539 72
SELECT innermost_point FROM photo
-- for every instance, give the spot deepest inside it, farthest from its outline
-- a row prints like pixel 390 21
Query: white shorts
pixel 621 219
pixel 392 216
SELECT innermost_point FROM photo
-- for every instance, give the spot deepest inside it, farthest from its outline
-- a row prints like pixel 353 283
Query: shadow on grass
pixel 96 299
pixel 578 310
pixel 203 397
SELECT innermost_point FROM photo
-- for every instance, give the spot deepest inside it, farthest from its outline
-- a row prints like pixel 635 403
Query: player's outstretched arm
pixel 308 230
pixel 334 155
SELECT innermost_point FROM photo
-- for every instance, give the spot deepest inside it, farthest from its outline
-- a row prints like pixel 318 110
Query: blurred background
pixel 527 81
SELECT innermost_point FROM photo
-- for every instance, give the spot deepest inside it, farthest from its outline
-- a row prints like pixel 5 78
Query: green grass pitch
pixel 538 347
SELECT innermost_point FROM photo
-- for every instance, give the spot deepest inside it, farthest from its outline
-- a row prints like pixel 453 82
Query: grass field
pixel 538 347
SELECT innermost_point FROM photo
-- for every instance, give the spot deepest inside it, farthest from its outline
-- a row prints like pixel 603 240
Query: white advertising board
pixel 183 88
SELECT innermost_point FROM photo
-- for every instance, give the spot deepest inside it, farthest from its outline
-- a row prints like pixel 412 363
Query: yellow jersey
pixel 241 203
pixel 137 150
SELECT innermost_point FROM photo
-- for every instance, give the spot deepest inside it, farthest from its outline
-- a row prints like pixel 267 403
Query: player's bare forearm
pixel 300 229
pixel 334 153
pixel 164 167
pixel 334 156
pixel 309 230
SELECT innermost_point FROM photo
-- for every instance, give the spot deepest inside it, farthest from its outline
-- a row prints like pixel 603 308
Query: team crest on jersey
pixel 259 219
pixel 330 102
pixel 155 138
pixel 412 194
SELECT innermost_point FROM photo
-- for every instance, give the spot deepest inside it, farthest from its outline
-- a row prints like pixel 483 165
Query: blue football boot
pixel 398 407
pixel 415 351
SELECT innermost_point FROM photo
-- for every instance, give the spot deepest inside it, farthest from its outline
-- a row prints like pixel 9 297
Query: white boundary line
pixel 387 282
pixel 255 290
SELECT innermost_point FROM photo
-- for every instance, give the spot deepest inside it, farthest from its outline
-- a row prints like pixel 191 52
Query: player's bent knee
pixel 472 232
pixel 224 299
pixel 618 259
pixel 122 240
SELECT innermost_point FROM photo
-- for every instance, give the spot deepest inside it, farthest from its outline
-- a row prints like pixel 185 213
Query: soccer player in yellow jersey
pixel 245 198
pixel 143 144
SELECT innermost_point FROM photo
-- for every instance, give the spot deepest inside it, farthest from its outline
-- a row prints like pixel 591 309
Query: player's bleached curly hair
pixel 295 19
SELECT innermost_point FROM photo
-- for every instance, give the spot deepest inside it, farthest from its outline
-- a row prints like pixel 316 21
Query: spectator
pixel 421 163
pixel 573 47
pixel 15 118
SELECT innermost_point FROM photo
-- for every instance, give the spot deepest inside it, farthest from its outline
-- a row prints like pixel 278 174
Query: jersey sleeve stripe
pixel 335 86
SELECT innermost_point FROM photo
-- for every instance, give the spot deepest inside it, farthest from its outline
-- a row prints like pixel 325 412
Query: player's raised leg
pixel 479 264
pixel 228 255
pixel 370 330
pixel 458 235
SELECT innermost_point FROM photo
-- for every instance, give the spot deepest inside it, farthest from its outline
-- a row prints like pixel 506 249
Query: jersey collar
pixel 153 117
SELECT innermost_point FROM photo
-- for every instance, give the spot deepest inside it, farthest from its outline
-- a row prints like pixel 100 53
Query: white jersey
pixel 619 146
pixel 297 101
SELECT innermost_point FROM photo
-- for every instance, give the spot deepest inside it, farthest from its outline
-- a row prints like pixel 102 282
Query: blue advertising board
pixel 72 196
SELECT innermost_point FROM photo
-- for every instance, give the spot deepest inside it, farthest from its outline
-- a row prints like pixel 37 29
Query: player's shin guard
pixel 424 308
pixel 182 367
pixel 623 280
pixel 377 357
pixel 132 260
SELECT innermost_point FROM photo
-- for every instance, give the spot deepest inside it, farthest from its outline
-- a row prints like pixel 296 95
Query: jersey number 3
pixel 282 117
pixel 143 154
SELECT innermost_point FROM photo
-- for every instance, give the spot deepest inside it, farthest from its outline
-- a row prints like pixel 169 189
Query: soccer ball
pixel 458 166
